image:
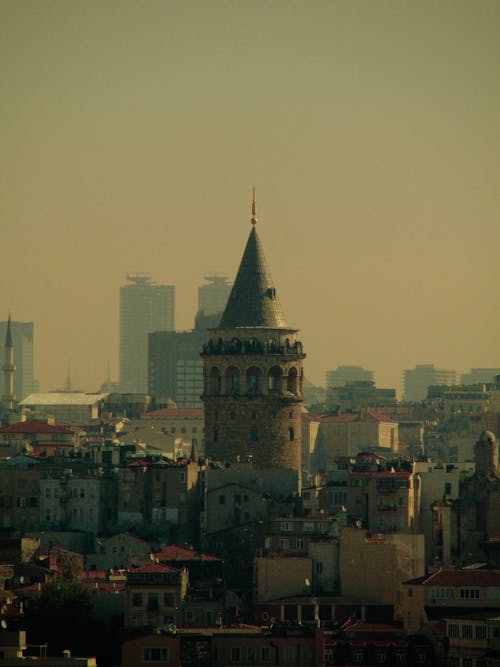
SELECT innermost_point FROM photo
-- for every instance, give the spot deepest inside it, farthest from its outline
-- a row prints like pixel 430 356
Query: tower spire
pixel 254 219
pixel 8 336
pixel 8 398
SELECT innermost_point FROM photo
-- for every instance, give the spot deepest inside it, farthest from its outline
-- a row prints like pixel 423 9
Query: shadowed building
pixel 253 372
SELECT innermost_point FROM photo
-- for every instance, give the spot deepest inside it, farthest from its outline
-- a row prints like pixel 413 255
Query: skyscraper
pixel 253 372
pixel 343 374
pixel 22 342
pixel 417 380
pixel 213 296
pixel 145 307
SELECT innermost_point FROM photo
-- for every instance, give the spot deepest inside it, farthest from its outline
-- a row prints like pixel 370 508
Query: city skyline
pixel 132 137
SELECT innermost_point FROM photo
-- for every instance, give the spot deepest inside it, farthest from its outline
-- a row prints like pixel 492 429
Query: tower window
pixel 232 380
pixel 253 380
pixel 291 434
pixel 274 379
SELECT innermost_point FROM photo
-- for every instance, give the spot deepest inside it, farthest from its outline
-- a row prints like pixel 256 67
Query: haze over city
pixel 132 135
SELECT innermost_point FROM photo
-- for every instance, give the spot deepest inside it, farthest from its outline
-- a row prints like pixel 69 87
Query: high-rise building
pixel 253 373
pixel 344 374
pixel 175 367
pixel 212 298
pixel 22 343
pixel 145 307
pixel 417 380
pixel 480 376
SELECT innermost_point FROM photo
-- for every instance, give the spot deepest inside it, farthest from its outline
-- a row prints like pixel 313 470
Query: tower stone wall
pixel 253 395
pixel 253 376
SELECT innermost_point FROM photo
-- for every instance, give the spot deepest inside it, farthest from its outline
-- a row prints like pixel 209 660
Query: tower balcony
pixel 252 346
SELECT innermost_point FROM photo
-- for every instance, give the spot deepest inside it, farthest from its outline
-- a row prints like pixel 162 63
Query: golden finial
pixel 254 210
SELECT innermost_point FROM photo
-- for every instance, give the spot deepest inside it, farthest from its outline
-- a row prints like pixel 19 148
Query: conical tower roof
pixel 253 301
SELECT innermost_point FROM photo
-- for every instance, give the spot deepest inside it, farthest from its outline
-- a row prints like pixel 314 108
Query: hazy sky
pixel 132 133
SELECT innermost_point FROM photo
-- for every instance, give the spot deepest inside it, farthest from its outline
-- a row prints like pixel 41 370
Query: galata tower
pixel 253 372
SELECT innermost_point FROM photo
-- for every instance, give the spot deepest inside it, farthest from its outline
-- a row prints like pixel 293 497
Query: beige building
pixel 436 595
pixel 75 407
pixel 185 423
pixel 154 595
pixel 384 500
pixel 372 566
pixel 276 577
pixel 347 434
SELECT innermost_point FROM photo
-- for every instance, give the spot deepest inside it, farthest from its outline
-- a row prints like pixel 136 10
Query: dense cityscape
pixel 214 507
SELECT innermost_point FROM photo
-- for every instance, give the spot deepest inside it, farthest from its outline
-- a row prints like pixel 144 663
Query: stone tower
pixel 8 398
pixel 253 372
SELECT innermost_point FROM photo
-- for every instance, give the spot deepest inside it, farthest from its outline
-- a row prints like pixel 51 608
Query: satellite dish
pixel 4 624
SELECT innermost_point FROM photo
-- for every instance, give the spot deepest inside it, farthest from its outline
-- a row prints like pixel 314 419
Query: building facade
pixel 253 373
pixel 417 380
pixel 344 374
pixel 145 307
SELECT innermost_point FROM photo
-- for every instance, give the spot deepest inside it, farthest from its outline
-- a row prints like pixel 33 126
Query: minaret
pixel 253 372
pixel 8 398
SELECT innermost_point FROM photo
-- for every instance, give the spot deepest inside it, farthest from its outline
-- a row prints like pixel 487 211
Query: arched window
pixel 214 381
pixel 253 380
pixel 274 379
pixel 292 381
pixel 232 380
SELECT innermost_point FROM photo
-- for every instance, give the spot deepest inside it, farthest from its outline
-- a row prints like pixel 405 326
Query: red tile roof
pixel 35 427
pixel 174 552
pixel 155 567
pixel 448 576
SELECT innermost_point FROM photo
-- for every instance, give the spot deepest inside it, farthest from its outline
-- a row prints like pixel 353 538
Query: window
pixel 291 434
pixel 235 653
pixel 155 654
pixel 319 568
pixel 168 599
pixel 222 499
pixel 447 488
pixel 466 631
pixel 286 526
pixel 284 544
pixel 467 662
pixel 265 653
pixel 291 658
pixel 380 658
pixel 308 527
pixel 400 658
pixel 237 499
pixel 267 543
pixel 251 655
pixel 299 543
pixel 47 493
pixel 421 658
pixel 137 599
pixel 453 630
pixel 480 632
pixel 254 434
pixel 357 657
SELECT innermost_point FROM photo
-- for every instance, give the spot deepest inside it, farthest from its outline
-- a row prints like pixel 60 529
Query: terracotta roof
pixel 253 301
pixel 154 567
pixel 448 576
pixel 35 427
pixel 338 419
pixel 174 552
